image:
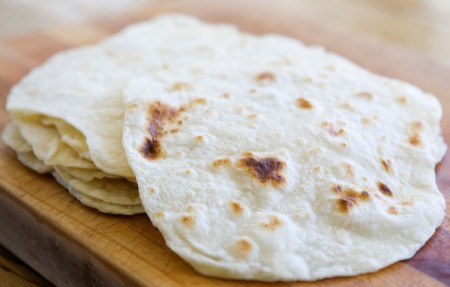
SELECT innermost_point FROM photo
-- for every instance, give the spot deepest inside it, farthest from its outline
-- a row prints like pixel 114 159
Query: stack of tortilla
pixel 256 157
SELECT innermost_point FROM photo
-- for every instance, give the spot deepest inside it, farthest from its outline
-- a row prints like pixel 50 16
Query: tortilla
pixel 286 172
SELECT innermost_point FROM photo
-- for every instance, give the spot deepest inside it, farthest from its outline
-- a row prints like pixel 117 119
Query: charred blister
pixel 158 114
pixel 384 189
pixel 264 170
pixel 348 198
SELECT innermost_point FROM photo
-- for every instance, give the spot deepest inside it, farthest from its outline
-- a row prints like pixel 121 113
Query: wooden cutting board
pixel 72 245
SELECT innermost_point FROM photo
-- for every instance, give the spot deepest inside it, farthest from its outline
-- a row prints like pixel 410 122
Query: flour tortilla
pixel 91 187
pixel 70 109
pixel 255 174
pixel 83 86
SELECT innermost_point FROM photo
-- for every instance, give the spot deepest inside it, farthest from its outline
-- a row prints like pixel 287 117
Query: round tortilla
pixel 286 172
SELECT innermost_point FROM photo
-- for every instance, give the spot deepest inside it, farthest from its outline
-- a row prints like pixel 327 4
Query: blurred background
pixel 423 25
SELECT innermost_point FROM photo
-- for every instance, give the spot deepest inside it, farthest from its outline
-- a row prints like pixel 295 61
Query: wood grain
pixel 72 245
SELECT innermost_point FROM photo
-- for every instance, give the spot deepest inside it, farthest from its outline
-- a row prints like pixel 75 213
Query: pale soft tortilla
pixel 91 187
pixel 254 173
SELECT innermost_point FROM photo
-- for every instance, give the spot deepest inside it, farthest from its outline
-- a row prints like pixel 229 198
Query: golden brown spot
pixel 415 127
pixel 247 153
pixel 226 95
pixel 336 188
pixel 159 214
pixel 221 161
pixel 199 138
pixel 252 91
pixel 236 207
pixel 187 171
pixel 348 198
pixel 273 223
pixel 402 100
pixel 365 95
pixel 133 106
pixel 415 140
pixel 243 246
pixel 344 144
pixel 174 131
pixel 181 86
pixel 348 106
pixel 408 202
pixel 198 101
pixel 188 220
pixel 265 170
pixel 329 127
pixel 349 170
pixel 158 114
pixel 266 76
pixel 304 104
pixel 317 168
pixel 393 210
pixel 387 165
pixel 384 189
pixel 151 190
pixel 366 120
pixel 252 116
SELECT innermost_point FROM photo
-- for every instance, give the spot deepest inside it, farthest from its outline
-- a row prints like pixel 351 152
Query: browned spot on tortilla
pixel 199 138
pixel 133 106
pixel 236 207
pixel 158 115
pixel 226 95
pixel 344 144
pixel 304 104
pixel 252 116
pixel 348 198
pixel 266 76
pixel 366 120
pixel 188 220
pixel 221 162
pixel 198 101
pixel 244 247
pixel 247 153
pixel 415 128
pixel 402 100
pixel 174 130
pixel 265 170
pixel 273 223
pixel 151 190
pixel 349 170
pixel 329 127
pixel 384 189
pixel 181 86
pixel 159 214
pixel 252 91
pixel 408 202
pixel 387 164
pixel 187 171
pixel 348 106
pixel 415 140
pixel 337 188
pixel 317 168
pixel 365 95
pixel 393 210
